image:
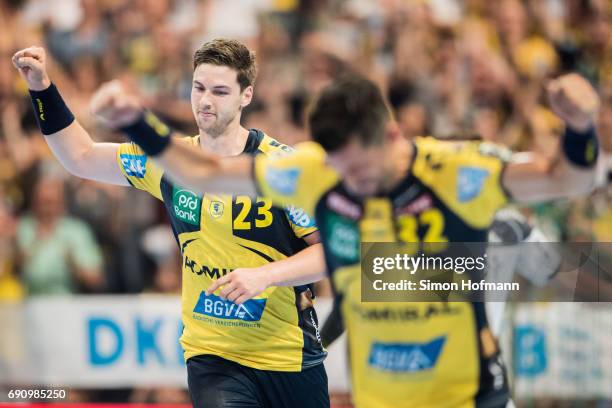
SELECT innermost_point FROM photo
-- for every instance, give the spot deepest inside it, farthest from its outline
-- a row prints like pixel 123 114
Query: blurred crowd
pixel 451 68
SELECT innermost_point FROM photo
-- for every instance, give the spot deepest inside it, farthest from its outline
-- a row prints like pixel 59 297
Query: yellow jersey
pixel 405 354
pixel 277 330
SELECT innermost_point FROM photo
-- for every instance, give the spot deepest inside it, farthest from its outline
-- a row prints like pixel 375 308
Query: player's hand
pixel 574 100
pixel 32 66
pixel 113 105
pixel 241 284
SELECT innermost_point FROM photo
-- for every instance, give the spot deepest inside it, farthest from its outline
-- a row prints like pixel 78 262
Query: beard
pixel 218 127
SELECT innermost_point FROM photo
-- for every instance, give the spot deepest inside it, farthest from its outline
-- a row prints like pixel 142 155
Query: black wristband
pixel 50 110
pixel 581 149
pixel 150 133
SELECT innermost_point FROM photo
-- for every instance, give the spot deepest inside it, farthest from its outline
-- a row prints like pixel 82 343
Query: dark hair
pixel 402 92
pixel 351 108
pixel 229 53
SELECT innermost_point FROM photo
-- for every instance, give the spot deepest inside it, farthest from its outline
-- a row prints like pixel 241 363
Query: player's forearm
pixel 188 165
pixel 307 266
pixel 530 178
pixel 575 173
pixel 70 143
pixel 333 327
pixel 71 146
pixel 67 139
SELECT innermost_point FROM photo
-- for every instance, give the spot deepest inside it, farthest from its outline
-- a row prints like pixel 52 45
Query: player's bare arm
pixel 69 142
pixel 307 266
pixel 531 178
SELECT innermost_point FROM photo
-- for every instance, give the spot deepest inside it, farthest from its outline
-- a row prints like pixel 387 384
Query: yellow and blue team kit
pixel 416 354
pixel 277 330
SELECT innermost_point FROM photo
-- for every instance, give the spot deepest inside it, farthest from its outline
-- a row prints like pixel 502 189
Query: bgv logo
pixel 214 306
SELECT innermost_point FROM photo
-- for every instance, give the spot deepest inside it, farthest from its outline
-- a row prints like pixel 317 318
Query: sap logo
pixel 299 217
pixel 134 166
pixel 212 272
pixel 283 181
pixel 406 357
pixel 469 182
pixel 214 306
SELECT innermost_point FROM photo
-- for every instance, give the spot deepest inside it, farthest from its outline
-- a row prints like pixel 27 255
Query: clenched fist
pixel 115 106
pixel 574 100
pixel 31 63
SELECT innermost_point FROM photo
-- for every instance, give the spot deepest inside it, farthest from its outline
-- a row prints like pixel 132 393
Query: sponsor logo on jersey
pixel 186 206
pixel 283 181
pixel 470 181
pixel 343 206
pixel 214 306
pixel 210 271
pixel 216 209
pixel 420 204
pixel 433 163
pixel 134 165
pixel 343 238
pixel 407 313
pixel 283 147
pixel 299 217
pixel 406 357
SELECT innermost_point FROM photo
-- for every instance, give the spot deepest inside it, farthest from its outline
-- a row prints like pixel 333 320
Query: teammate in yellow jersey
pixel 258 346
pixel 364 182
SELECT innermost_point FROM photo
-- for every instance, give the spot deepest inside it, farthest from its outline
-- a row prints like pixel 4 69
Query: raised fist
pixel 115 106
pixel 574 100
pixel 31 63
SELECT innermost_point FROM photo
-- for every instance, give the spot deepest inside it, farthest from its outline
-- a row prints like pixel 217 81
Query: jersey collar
pixel 253 141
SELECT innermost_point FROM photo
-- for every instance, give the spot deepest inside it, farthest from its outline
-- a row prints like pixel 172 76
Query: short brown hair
pixel 351 108
pixel 230 53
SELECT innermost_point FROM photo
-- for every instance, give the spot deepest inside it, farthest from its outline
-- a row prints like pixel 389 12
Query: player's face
pixel 216 99
pixel 362 168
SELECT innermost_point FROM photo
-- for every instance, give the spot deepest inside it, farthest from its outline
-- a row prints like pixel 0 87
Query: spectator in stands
pixel 10 287
pixel 59 253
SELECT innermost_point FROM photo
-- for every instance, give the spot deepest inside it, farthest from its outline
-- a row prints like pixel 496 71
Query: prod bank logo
pixel 214 306
pixel 186 205
pixel 406 357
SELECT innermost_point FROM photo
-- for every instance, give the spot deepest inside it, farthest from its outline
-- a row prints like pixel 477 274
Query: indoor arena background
pixel 452 68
